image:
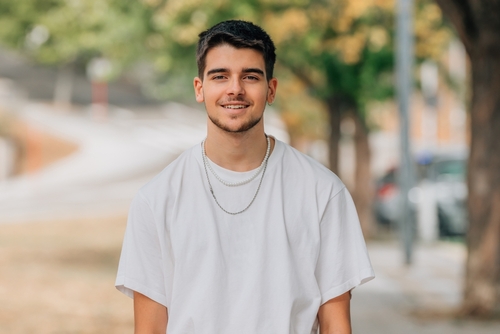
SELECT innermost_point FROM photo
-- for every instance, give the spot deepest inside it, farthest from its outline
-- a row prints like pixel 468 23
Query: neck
pixel 239 152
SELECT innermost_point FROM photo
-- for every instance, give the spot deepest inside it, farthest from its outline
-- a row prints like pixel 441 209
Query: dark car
pixel 448 176
pixel 444 175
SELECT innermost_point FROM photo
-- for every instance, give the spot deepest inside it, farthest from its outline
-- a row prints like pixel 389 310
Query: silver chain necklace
pixel 240 183
pixel 205 162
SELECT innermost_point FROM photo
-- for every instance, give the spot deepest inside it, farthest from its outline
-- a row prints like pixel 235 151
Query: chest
pixel 273 230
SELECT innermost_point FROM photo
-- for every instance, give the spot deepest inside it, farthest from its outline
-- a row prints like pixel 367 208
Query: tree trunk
pixel 334 105
pixel 482 284
pixel 363 188
pixel 478 26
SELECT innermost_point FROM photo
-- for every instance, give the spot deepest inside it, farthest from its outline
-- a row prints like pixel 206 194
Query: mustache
pixel 237 99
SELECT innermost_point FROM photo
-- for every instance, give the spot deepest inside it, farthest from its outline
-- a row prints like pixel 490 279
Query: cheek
pixel 209 94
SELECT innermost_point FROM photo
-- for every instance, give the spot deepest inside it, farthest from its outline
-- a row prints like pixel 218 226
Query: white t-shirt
pixel 265 271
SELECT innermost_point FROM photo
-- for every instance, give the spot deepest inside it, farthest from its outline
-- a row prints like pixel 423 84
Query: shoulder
pixel 172 175
pixel 309 170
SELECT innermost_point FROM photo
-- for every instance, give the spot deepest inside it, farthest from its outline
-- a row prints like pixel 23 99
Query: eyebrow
pixel 217 70
pixel 253 70
pixel 245 70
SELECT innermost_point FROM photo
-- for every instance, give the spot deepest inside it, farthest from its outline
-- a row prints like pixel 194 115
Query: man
pixel 242 233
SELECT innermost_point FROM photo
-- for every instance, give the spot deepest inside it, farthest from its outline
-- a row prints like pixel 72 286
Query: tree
pixel 478 25
pixel 339 51
pixel 66 33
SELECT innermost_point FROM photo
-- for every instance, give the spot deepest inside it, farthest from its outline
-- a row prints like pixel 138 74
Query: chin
pixel 236 128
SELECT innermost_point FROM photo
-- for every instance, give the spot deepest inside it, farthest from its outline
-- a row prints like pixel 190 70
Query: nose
pixel 235 87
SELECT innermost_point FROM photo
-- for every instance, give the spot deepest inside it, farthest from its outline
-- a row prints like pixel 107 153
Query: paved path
pixel 416 299
pixel 114 159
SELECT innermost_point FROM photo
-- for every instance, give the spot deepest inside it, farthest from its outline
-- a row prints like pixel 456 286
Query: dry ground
pixel 35 148
pixel 58 277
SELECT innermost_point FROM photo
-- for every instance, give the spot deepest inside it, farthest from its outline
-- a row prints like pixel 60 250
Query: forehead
pixel 227 56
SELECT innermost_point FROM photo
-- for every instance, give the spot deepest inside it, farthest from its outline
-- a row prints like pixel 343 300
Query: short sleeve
pixel 142 267
pixel 343 262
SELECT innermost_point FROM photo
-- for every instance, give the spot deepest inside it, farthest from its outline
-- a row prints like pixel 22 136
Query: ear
pixel 271 93
pixel 198 89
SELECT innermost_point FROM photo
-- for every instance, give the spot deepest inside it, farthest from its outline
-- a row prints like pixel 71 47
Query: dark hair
pixel 239 34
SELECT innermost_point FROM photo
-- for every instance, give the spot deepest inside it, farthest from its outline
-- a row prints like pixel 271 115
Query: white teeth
pixel 239 106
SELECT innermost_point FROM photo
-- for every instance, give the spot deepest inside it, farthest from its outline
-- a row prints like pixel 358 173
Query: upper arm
pixel 146 262
pixel 335 315
pixel 150 317
pixel 343 261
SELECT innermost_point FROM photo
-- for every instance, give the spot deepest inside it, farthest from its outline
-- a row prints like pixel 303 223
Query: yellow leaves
pixel 428 21
pixel 388 5
pixel 433 46
pixel 378 38
pixel 171 10
pixel 432 13
pixel 286 25
pixel 431 35
pixel 346 12
pixel 346 18
pixel 349 47
pixel 285 2
pixel 182 33
pixel 319 15
pixel 342 24
pixel 355 9
pixel 185 34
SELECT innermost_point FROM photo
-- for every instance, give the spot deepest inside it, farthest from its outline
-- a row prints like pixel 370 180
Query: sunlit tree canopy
pixel 340 48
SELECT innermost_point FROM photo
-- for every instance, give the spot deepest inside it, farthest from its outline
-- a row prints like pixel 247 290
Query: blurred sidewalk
pixel 420 298
pixel 114 158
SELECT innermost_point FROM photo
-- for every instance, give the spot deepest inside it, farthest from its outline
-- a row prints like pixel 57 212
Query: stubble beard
pixel 243 128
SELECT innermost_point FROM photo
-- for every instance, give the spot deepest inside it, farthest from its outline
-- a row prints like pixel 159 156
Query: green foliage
pixel 329 46
pixel 334 48
pixel 341 48
pixel 75 31
pixel 18 17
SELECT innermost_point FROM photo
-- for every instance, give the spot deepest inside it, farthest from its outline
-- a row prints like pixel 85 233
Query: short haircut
pixel 239 34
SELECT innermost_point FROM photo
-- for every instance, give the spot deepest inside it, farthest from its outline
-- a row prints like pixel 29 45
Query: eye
pixel 217 77
pixel 252 77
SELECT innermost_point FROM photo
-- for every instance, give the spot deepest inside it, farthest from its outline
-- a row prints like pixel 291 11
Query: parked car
pixel 445 175
pixel 386 203
pixel 448 175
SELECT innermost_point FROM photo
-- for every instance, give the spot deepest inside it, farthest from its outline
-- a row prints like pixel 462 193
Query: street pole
pixel 404 64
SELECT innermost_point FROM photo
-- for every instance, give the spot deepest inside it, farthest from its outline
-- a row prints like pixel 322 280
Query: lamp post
pixel 427 217
pixel 404 64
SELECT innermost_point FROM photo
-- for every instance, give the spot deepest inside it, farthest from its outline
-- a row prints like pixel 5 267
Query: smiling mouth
pixel 235 106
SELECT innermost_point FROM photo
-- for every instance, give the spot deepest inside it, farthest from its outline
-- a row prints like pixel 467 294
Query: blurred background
pixel 96 98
